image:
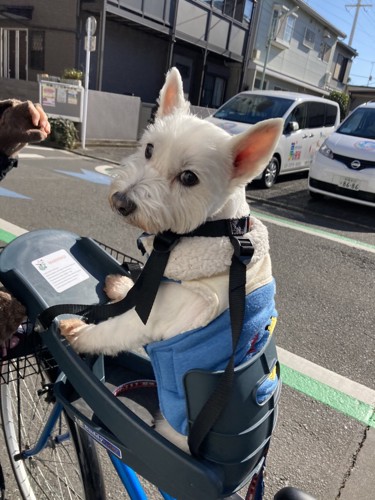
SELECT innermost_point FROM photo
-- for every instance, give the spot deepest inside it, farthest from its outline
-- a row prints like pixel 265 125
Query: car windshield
pixel 250 108
pixel 361 123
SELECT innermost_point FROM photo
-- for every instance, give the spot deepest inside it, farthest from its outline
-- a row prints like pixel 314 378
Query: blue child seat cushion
pixel 209 348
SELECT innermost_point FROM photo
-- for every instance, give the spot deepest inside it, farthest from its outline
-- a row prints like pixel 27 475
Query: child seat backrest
pixel 239 440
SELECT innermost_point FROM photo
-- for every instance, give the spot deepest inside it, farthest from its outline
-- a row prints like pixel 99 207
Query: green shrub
pixel 72 74
pixel 342 100
pixel 63 133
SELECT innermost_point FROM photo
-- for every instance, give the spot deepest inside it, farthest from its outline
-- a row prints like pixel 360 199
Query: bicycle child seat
pixel 48 267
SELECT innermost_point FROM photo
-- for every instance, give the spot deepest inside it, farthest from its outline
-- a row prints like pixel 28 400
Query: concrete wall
pixel 110 117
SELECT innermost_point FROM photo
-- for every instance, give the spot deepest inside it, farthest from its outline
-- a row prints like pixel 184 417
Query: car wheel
pixel 270 173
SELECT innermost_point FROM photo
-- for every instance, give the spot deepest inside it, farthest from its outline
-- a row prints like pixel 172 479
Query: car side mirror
pixel 291 127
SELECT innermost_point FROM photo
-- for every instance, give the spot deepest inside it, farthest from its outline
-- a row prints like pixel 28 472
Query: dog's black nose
pixel 123 204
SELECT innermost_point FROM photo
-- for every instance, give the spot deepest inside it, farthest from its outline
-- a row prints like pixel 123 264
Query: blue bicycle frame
pixel 127 476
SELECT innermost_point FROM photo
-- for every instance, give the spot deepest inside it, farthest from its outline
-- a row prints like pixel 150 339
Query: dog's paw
pixel 71 328
pixel 117 286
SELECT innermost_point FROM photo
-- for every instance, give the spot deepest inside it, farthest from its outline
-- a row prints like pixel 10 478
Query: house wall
pixel 299 62
pixel 60 30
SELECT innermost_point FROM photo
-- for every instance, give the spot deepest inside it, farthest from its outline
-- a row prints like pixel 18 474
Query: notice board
pixel 62 100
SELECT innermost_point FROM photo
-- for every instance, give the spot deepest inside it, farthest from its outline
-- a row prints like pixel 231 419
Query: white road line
pixel 44 148
pixel 11 228
pixel 327 377
pixel 29 155
pixel 303 228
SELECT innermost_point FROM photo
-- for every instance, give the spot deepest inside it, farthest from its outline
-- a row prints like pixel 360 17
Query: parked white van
pixel 308 121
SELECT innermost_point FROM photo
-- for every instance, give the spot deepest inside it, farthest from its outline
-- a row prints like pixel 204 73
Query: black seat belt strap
pixel 141 295
pixel 211 411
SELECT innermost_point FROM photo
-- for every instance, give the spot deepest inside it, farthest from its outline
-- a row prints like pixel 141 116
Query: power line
pixel 357 6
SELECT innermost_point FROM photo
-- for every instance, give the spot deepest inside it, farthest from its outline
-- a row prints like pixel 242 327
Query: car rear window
pixel 253 108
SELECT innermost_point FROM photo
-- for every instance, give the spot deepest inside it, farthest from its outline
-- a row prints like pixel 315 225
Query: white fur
pixel 223 165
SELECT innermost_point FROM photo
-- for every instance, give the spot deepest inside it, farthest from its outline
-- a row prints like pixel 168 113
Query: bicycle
pixel 56 404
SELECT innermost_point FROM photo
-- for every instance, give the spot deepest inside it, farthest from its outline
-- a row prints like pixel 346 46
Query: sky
pixel 341 16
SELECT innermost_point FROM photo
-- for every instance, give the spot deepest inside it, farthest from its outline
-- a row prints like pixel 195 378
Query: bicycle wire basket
pixel 23 354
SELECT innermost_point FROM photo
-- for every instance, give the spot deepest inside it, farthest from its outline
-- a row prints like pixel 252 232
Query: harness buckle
pixel 166 241
pixel 243 249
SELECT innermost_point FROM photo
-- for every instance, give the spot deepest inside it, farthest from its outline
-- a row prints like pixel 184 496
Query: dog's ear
pixel 172 95
pixel 253 149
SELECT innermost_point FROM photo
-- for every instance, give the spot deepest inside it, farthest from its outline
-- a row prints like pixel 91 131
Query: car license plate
pixel 349 183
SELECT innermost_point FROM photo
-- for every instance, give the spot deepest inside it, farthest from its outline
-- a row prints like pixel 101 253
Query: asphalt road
pixel 323 255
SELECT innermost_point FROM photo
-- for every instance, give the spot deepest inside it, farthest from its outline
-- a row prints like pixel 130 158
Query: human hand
pixel 20 124
pixel 12 313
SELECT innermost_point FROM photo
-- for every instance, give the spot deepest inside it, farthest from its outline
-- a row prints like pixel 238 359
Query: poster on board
pixel 62 100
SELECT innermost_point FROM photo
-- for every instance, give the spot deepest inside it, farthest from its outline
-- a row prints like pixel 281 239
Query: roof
pixel 318 17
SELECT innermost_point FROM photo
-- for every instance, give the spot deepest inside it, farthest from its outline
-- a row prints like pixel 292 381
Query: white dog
pixel 187 171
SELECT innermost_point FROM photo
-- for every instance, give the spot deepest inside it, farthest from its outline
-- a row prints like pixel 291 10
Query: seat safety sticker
pixel 61 270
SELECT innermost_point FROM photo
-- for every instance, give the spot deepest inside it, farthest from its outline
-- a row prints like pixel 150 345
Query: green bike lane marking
pixel 331 397
pixel 338 392
pixel 9 231
pixel 328 387
pixel 304 228
pixel 5 236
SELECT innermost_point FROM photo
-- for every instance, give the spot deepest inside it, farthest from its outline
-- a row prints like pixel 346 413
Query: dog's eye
pixel 188 178
pixel 148 151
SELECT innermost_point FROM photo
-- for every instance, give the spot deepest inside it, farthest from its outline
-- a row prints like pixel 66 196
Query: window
pixel 282 26
pixel 257 84
pixel 313 115
pixel 316 115
pixel 253 108
pixel 236 9
pixel 13 54
pixel 331 114
pixel 249 5
pixel 359 124
pixel 229 7
pixel 213 91
pixel 309 39
pixel 324 52
pixel 340 68
pixel 37 50
pixel 298 115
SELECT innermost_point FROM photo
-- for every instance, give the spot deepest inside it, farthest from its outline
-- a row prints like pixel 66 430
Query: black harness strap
pixel 144 288
pixel 211 411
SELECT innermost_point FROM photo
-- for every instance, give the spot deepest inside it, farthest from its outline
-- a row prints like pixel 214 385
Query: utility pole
pixel 274 30
pixel 357 6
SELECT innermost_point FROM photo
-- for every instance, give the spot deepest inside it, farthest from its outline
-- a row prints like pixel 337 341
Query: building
pixel 136 42
pixel 219 46
pixel 293 48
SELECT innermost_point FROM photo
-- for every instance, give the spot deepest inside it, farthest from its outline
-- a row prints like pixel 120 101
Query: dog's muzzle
pixel 122 204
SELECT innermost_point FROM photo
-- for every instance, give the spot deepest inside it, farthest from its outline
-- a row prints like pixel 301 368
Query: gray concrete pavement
pixel 113 154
